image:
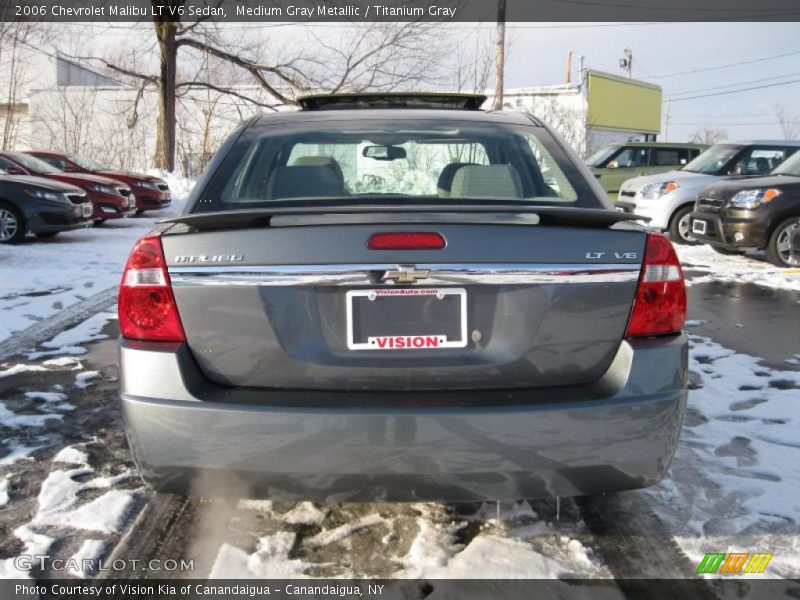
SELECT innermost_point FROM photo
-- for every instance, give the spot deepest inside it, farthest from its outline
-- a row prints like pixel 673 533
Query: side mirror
pixel 612 165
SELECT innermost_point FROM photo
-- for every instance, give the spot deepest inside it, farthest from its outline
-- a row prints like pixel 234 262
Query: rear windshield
pixel 395 161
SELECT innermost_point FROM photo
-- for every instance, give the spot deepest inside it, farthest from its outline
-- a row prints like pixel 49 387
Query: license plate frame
pixel 373 342
pixel 86 211
pixel 699 226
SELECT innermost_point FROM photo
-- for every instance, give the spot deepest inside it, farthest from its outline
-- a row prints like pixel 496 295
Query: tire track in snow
pixel 51 326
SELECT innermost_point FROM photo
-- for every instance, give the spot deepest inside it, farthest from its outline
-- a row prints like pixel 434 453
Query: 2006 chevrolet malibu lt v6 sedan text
pixel 399 297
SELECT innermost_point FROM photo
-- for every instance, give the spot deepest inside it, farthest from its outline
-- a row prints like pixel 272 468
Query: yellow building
pixel 600 110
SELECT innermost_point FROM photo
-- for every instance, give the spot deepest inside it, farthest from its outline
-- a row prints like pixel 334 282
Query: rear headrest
pixel 489 181
pixel 299 182
pixel 320 161
pixel 445 183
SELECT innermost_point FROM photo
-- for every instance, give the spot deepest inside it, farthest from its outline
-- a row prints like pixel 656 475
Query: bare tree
pixel 17 41
pixel 708 135
pixel 376 56
pixel 500 60
pixel 789 122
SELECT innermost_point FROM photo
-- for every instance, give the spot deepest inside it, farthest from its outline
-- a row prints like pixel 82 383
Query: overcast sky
pixel 539 53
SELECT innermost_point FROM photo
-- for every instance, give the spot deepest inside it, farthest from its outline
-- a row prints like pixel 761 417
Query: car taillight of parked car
pixel 660 304
pixel 146 304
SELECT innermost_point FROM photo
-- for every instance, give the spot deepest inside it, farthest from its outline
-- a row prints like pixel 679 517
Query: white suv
pixel 668 198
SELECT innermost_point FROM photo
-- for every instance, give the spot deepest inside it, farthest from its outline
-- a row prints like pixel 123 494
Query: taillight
pixel 146 306
pixel 406 240
pixel 660 303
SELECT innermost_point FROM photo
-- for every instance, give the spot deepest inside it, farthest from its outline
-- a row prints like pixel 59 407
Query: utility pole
pixel 626 63
pixel 569 67
pixel 500 58
pixel 667 119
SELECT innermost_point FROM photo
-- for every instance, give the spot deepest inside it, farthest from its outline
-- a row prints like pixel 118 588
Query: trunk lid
pixel 272 307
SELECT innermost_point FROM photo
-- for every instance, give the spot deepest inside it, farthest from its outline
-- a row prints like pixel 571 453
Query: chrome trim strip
pixel 371 274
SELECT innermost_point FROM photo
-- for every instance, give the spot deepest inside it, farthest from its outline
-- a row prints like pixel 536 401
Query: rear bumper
pixel 190 436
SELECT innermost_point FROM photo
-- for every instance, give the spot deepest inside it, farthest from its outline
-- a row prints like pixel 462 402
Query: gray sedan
pixel 401 298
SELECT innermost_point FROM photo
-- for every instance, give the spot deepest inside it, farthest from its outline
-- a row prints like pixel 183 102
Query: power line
pixel 727 66
pixel 718 87
pixel 757 87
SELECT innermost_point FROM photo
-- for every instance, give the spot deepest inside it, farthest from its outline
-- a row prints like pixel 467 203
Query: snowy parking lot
pixel 68 487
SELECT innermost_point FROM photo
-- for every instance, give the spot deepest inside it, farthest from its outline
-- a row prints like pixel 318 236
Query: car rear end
pixel 491 342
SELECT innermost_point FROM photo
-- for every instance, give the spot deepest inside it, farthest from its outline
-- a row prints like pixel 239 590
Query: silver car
pixel 668 198
pixel 401 298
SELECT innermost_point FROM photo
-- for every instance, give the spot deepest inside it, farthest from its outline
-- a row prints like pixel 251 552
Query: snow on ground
pixel 735 482
pixel 422 540
pixel 751 268
pixel 42 277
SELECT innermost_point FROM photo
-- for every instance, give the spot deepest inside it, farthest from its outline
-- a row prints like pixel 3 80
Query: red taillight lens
pixel 660 303
pixel 406 240
pixel 146 306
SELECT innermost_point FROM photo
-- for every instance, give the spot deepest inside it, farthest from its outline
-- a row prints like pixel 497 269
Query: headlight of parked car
pixel 45 195
pixel 146 185
pixel 653 191
pixel 103 189
pixel 750 199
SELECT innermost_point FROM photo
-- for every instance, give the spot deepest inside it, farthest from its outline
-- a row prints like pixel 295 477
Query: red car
pixel 151 192
pixel 110 199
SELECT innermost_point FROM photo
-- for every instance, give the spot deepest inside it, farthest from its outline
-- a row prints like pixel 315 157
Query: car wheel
pixel 12 225
pixel 727 252
pixel 98 222
pixel 680 227
pixel 783 249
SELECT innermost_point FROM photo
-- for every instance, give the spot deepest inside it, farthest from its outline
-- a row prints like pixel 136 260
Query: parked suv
pixel 152 193
pixel 735 215
pixel 334 319
pixel 616 163
pixel 668 199
pixel 110 199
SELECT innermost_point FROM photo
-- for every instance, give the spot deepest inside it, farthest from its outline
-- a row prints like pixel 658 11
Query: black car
pixel 41 206
pixel 738 215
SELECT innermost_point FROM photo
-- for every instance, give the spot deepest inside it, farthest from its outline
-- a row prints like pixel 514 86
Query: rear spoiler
pixel 474 213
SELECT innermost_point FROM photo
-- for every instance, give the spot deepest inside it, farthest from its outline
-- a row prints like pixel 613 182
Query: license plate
pixel 131 201
pixel 699 226
pixel 86 210
pixel 406 318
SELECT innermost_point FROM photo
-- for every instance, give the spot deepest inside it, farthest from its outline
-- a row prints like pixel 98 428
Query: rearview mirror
pixel 384 152
pixel 14 171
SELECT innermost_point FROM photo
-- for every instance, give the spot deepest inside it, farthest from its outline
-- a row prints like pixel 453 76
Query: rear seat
pixel 304 181
pixel 486 181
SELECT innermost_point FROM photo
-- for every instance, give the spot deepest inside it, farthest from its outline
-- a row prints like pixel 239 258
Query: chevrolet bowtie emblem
pixel 406 274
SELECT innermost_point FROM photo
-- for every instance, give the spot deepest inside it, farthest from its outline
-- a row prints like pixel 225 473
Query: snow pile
pixel 72 455
pixel 3 491
pixel 735 480
pixel 60 502
pixel 740 269
pixel 67 342
pixel 270 560
pixel 304 513
pixel 89 553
